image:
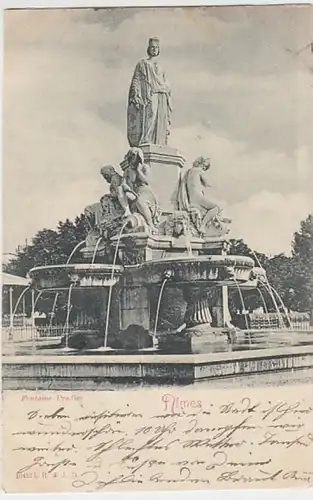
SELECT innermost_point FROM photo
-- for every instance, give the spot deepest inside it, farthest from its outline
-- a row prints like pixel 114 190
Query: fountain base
pixel 199 339
pixel 101 349
pixel 84 339
pixel 94 372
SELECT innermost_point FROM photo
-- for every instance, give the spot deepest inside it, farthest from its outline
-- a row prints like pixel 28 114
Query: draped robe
pixel 150 122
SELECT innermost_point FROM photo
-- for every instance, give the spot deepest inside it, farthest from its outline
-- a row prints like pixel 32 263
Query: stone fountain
pixel 152 294
pixel 159 241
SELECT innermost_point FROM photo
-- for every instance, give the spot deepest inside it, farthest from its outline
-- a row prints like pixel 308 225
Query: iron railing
pixel 28 333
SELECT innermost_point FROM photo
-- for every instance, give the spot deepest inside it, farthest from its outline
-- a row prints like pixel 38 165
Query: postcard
pixel 157 279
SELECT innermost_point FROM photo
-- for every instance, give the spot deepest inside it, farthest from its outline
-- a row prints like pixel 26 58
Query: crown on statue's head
pixel 154 40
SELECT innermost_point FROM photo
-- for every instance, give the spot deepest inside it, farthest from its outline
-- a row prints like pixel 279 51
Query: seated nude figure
pixel 193 194
pixel 119 190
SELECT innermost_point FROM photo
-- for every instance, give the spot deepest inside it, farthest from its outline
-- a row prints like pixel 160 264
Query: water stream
pixel 265 306
pixel 19 301
pixel 187 239
pixel 36 300
pixel 53 309
pixel 243 307
pixel 68 312
pixel 279 314
pixel 158 310
pixel 282 304
pixel 14 312
pixel 106 331
pixel 95 250
pixel 74 250
pixel 268 287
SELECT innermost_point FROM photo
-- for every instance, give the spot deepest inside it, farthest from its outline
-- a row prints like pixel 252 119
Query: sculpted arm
pixel 125 186
pixel 143 173
pixel 135 96
pixel 117 184
pixel 204 180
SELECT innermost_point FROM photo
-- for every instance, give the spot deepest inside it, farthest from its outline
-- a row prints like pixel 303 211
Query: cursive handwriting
pixel 162 440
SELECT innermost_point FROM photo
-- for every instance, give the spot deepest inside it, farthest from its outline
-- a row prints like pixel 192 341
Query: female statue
pixel 149 101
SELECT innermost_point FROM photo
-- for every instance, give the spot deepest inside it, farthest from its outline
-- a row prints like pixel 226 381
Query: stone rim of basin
pixel 78 267
pixel 214 259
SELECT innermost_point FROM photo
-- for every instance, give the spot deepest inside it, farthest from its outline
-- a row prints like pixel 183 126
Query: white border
pixel 23 4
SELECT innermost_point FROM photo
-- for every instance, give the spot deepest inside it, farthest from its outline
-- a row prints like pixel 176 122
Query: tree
pixel 279 271
pixel 302 261
pixel 239 247
pixel 49 247
pixel 251 298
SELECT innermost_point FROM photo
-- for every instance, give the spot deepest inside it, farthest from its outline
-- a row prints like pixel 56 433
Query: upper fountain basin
pixel 217 269
pixel 78 275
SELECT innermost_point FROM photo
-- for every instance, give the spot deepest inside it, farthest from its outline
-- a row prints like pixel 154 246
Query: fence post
pixel 24 312
pixel 33 308
pixel 11 306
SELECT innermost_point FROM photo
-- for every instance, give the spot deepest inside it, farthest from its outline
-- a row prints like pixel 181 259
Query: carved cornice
pixel 160 154
pixel 78 275
pixel 209 269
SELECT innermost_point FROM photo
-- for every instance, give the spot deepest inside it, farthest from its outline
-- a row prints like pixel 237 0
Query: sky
pixel 241 95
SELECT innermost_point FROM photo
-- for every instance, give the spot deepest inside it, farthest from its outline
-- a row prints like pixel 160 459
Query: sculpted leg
pixel 150 121
pixel 210 213
pixel 123 201
pixel 207 204
pixel 144 210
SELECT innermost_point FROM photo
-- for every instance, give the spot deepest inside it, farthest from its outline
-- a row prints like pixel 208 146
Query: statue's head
pixel 202 162
pixel 134 156
pixel 107 172
pixel 153 49
pixel 103 201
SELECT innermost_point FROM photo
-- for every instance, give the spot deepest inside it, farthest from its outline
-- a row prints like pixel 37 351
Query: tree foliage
pixel 49 247
pixel 291 277
pixel 302 258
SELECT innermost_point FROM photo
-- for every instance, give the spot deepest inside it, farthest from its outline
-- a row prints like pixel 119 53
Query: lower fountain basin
pixel 117 371
pixel 60 277
pixel 217 269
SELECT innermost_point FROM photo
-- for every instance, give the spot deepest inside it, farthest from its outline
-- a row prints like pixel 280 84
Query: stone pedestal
pixel 221 310
pixel 88 317
pixel 196 335
pixel 197 310
pixel 134 307
pixel 165 166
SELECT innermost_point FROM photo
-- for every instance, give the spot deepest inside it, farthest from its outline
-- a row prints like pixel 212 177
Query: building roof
pixel 12 280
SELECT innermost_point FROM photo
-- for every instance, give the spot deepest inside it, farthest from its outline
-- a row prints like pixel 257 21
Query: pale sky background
pixel 239 96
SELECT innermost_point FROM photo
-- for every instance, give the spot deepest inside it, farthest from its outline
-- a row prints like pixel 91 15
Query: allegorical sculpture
pixel 136 180
pixel 120 193
pixel 130 196
pixel 194 197
pixel 131 205
pixel 149 101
